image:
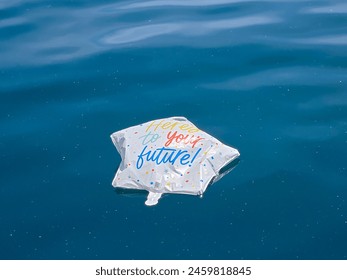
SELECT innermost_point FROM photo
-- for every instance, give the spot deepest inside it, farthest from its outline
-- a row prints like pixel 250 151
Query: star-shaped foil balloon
pixel 169 155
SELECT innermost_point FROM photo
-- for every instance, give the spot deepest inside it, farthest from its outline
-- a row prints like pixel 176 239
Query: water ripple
pixel 139 33
pixel 340 8
pixel 191 3
pixel 196 28
pixel 336 40
pixel 46 34
pixel 283 77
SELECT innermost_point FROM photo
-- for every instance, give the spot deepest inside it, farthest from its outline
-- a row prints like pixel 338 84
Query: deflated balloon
pixel 169 155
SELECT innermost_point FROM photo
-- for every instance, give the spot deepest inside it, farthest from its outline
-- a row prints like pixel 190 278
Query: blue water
pixel 266 77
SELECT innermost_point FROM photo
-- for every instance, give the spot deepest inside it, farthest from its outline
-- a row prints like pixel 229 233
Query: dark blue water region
pixel 266 77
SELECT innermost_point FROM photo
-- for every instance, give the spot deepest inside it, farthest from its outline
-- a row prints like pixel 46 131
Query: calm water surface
pixel 267 77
